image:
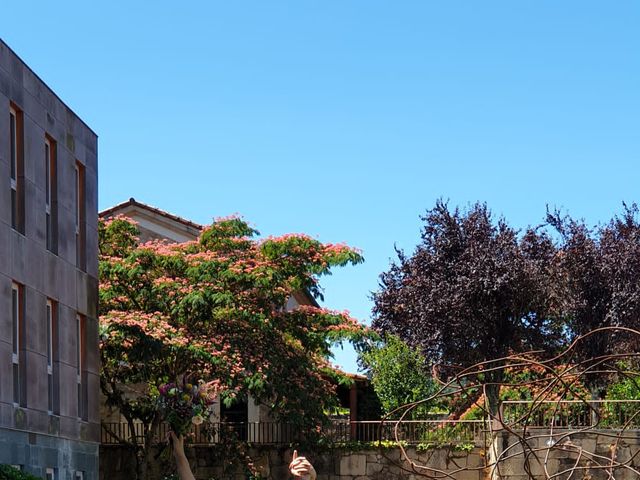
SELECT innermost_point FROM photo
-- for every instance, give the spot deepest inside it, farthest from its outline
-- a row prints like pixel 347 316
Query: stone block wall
pixel 209 463
pixel 589 453
pixel 374 464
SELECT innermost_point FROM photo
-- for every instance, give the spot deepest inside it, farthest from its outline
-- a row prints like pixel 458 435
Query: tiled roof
pixel 133 202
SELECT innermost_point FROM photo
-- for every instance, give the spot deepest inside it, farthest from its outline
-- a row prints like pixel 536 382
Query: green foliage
pixel 357 446
pixel 474 413
pixel 457 447
pixel 398 375
pixel 627 388
pixel 532 381
pixel 392 444
pixel 212 310
pixel 8 472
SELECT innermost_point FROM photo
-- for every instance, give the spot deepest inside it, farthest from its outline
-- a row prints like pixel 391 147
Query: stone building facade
pixel 49 362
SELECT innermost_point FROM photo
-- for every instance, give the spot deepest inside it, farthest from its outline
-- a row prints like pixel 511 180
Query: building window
pixel 17 325
pixel 80 367
pixel 51 193
pixel 50 474
pixel 52 353
pixel 80 216
pixel 17 169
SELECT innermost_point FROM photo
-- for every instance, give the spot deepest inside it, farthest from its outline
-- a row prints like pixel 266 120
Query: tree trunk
pixel 149 438
pixel 143 447
pixel 141 467
pixel 135 446
pixel 491 390
pixel 492 384
pixel 595 391
pixel 492 394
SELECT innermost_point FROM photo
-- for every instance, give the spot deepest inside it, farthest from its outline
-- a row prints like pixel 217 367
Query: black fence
pixel 272 433
pixel 598 414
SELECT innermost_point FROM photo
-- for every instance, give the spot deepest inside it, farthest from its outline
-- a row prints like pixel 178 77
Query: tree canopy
pixel 399 374
pixel 214 309
pixel 473 290
pixel 600 284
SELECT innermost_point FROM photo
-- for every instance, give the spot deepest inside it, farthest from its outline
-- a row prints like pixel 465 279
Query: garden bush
pixel 7 472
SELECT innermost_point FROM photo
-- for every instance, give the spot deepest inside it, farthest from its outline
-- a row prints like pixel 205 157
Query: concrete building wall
pixel 31 433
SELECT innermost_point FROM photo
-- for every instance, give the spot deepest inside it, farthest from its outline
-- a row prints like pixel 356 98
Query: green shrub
pixel 7 472
pixel 399 376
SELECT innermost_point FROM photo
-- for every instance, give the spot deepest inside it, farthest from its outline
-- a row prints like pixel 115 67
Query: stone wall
pixel 581 449
pixel 34 453
pixel 208 463
pixel 588 453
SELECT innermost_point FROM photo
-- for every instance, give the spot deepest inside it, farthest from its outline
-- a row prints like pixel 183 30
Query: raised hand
pixel 182 464
pixel 301 467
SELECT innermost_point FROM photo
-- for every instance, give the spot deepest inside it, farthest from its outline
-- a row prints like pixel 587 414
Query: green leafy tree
pixel 399 374
pixel 212 309
pixel 626 388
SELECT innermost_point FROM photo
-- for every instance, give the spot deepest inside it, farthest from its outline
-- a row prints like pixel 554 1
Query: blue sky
pixel 346 120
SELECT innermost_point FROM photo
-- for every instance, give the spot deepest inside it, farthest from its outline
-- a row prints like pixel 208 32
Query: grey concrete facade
pixel 50 256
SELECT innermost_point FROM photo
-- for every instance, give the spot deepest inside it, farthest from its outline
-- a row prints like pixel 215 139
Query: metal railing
pixel 605 414
pixel 412 431
pixel 600 414
pixel 341 431
pixel 262 432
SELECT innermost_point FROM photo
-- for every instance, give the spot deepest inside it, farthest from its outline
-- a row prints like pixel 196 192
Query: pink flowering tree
pixel 213 310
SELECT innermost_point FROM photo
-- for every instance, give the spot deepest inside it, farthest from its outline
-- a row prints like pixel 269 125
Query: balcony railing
pixel 600 414
pixel 271 433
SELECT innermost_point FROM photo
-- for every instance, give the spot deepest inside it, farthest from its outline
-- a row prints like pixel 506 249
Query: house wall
pixel 29 434
pixel 153 226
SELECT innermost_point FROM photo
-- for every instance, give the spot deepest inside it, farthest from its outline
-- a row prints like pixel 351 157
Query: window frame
pixel 77 198
pixel 80 367
pixel 17 325
pixel 80 199
pixel 47 173
pixel 51 320
pixel 16 177
pixel 51 178
pixel 14 167
pixel 13 142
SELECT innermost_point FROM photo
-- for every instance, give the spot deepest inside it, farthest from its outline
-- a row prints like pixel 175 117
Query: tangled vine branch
pixel 532 443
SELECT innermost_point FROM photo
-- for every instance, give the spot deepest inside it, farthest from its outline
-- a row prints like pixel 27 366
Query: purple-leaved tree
pixel 473 290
